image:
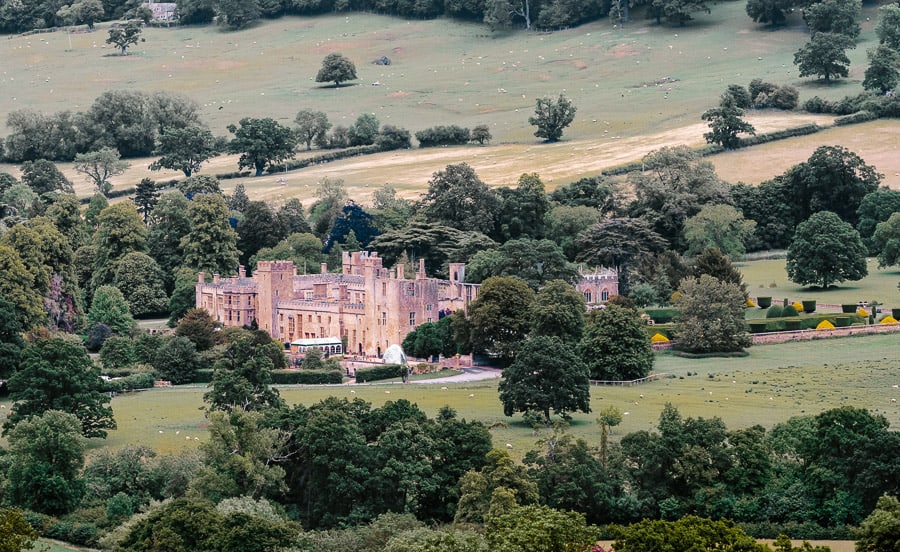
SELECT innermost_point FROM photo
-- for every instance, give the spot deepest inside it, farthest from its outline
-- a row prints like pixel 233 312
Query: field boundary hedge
pixel 378 373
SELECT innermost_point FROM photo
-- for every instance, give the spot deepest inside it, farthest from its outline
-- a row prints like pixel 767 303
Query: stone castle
pixel 366 305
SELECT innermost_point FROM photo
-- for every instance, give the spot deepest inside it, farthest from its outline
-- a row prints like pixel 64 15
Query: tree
pixel 110 307
pixel 558 310
pixel 11 342
pixel 142 283
pixel 500 482
pixel 457 198
pixel 882 75
pixel 887 241
pixel 676 11
pixel 199 184
pixel 311 126
pixel 876 207
pixel 551 118
pixel 825 55
pixel 200 327
pixel 712 316
pixel 119 231
pixel 43 177
pixel 720 226
pixel 614 345
pixel 172 223
pixel 888 27
pixel 619 243
pixel 242 377
pixel 833 16
pixel 237 14
pixel 146 196
pixel 16 534
pixel 703 534
pixel 498 317
pixel 211 244
pixel 55 374
pixel 260 227
pixel 545 374
pixel 725 124
pixel 832 179
pixel 364 130
pixel 124 36
pixel 262 143
pixel 825 251
pixel 541 529
pixel 353 219
pixel 714 263
pixel 481 134
pixel 773 12
pixel 46 456
pixel 881 529
pixel 535 261
pixel 523 209
pixel 18 287
pixel 99 166
pixel 184 149
pixel 337 69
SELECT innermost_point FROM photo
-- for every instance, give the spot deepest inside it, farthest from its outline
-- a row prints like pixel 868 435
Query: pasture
pixel 638 87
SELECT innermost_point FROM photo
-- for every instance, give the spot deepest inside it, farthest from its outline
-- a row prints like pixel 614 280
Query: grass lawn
pixel 637 88
pixel 769 278
pixel 769 386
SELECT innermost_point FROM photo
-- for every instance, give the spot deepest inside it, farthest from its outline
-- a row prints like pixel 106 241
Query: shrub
pixel 853 118
pixel 204 375
pixel 452 135
pixel 792 325
pixel 788 311
pixel 758 86
pixel 849 308
pixel 758 327
pixel 817 105
pixel 739 94
pixel 307 377
pixel 392 138
pixel 784 97
pixel 764 302
pixel 662 316
pixel 775 311
pixel 840 321
pixel 809 306
pixel 387 371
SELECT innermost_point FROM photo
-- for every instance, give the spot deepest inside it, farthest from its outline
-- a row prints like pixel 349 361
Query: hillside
pixel 636 87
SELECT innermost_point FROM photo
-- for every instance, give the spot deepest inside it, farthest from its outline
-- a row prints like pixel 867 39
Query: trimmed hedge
pixel 307 377
pixel 858 117
pixel 763 302
pixel 775 311
pixel 204 375
pixel 730 354
pixel 440 135
pixel 779 135
pixel 809 306
pixel 129 383
pixel 662 316
pixel 387 371
pixel 849 308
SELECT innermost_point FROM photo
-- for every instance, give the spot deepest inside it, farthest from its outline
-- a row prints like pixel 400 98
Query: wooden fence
pixel 651 377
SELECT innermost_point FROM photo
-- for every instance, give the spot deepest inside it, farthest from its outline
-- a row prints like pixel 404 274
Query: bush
pixel 849 308
pixel 758 327
pixel 858 117
pixel 842 321
pixel 307 377
pixel 817 105
pixel 775 311
pixel 739 94
pixel 452 135
pixel 788 312
pixel 130 383
pixel 784 97
pixel 387 371
pixel 392 138
pixel 204 375
pixel 764 302
pixel 793 324
pixel 809 306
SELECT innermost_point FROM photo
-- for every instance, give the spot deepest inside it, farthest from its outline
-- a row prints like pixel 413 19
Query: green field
pixel 637 87
pixel 769 386
pixel 769 278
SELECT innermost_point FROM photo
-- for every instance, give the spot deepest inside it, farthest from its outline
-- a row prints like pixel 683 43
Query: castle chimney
pixel 215 279
pixel 242 272
pixel 324 268
pixel 401 272
pixel 201 278
pixel 422 266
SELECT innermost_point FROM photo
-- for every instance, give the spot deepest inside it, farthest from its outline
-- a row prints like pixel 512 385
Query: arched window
pixel 604 295
pixel 587 296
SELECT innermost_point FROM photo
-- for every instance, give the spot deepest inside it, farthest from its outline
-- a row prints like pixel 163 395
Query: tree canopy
pixel 337 69
pixel 825 251
pixel 552 117
pixel 262 143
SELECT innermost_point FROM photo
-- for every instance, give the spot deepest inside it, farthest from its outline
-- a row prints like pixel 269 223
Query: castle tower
pixel 275 282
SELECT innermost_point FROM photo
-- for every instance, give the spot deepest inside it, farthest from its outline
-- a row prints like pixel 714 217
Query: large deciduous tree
pixel 55 374
pixel 882 74
pixel 142 282
pixel 833 16
pixel 535 261
pixel 337 69
pixel 184 149
pixel 456 197
pixel 499 316
pixel 552 117
pixel 261 143
pixel 832 179
pixel 712 316
pixel 546 374
pixel 826 250
pixel 825 55
pixel 17 286
pixel 887 241
pixel 614 345
pixel 876 207
pixel 619 243
pixel 881 529
pixel 773 12
pixel 45 458
pixel 725 123
pixel 705 534
pixel 99 166
pixel 119 231
pixel 42 176
pixel 311 126
pixel 126 35
pixel 260 227
pixel 720 226
pixel 558 310
pixel 541 529
pixel 888 28
pixel 236 14
pixel 110 308
pixel 211 244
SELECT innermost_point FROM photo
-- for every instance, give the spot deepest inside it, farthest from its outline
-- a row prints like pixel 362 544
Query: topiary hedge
pixel 662 316
pixel 849 308
pixel 764 302
pixel 387 371
pixel 789 311
pixel 203 375
pixel 307 377
pixel 809 307
pixel 775 311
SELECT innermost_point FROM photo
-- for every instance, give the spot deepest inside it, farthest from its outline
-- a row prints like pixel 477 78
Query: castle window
pixel 604 295
pixel 587 296
pixel 412 319
pixel 384 319
pixel 428 307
